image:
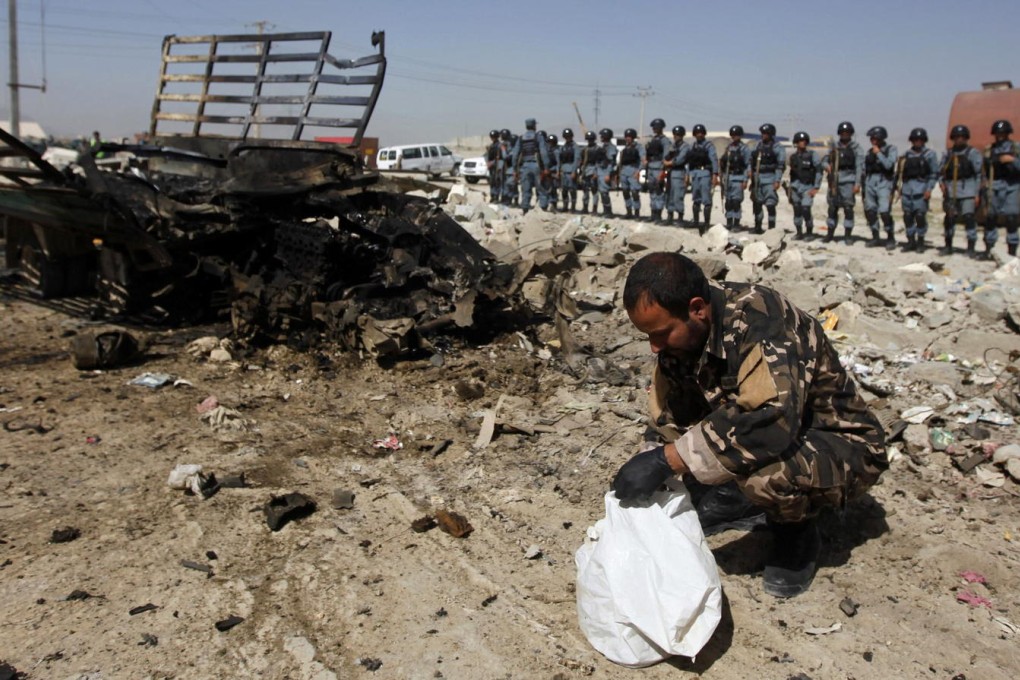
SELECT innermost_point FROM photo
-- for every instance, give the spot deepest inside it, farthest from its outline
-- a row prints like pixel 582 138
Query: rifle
pixel 897 179
pixel 724 185
pixel 834 174
pixel 787 191
pixel 756 180
pixel 955 160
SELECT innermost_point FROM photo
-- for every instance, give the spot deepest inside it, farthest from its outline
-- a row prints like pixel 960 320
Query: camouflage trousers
pixel 828 470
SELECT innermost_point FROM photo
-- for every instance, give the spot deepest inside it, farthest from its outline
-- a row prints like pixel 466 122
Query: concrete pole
pixel 12 23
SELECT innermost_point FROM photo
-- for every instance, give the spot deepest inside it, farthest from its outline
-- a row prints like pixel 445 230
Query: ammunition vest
pixel 964 167
pixel 529 144
pixel 872 166
pixel 630 155
pixel 733 161
pixel 493 153
pixel 847 158
pixel 915 167
pixel 1005 170
pixel 803 168
pixel 653 150
pixel 553 161
pixel 598 155
pixel 567 154
pixel 698 158
pixel 769 159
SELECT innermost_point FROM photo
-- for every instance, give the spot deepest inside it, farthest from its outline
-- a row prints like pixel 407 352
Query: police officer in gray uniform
pixel 805 180
pixel 567 164
pixel 1002 173
pixel 845 167
pixel 506 142
pixel 960 181
pixel 531 157
pixel 736 167
pixel 703 166
pixel 655 156
pixel 494 164
pixel 632 157
pixel 919 171
pixel 589 173
pixel 768 161
pixel 605 164
pixel 879 181
pixel 676 165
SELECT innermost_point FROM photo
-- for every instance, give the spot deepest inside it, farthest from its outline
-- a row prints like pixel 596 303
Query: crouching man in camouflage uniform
pixel 751 398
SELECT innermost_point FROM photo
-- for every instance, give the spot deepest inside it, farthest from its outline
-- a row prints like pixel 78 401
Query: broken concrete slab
pixel 755 252
pixel 989 303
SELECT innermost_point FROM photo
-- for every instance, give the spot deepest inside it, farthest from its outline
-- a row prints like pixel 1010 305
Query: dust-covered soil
pixel 356 592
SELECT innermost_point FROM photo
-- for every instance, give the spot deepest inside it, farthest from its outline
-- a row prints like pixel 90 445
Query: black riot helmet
pixel 504 134
pixel 606 134
pixel 552 139
pixel 699 129
pixel 590 135
pixel 568 133
pixel 658 124
pixel 630 132
pixel 959 131
pixel 801 137
pixel 878 132
pixel 494 134
pixel 679 130
pixel 918 133
pixel 767 129
pixel 1002 127
pixel 845 126
pixel 737 130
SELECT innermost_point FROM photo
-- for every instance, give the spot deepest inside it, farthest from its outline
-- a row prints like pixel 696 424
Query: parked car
pixel 474 169
pixel 432 159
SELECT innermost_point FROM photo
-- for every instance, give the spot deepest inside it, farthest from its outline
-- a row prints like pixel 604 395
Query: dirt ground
pixel 347 593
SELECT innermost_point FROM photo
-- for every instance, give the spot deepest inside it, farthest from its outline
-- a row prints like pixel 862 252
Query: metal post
pixel 12 23
pixel 644 93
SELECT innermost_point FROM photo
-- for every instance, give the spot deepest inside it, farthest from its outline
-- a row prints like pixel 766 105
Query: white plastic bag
pixel 647 584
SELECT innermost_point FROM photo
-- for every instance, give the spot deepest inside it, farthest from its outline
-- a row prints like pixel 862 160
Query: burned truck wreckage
pixel 291 237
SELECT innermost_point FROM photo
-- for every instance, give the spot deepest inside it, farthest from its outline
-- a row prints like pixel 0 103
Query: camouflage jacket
pixel 766 376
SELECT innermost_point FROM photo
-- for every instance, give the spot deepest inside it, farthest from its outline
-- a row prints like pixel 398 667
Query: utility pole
pixel 598 94
pixel 644 93
pixel 12 25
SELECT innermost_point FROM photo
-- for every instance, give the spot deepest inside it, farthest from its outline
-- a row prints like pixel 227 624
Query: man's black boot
pixel 971 247
pixel 1011 248
pixel 792 560
pixel 875 241
pixel 669 219
pixel 726 507
pixel 890 242
pixel 948 249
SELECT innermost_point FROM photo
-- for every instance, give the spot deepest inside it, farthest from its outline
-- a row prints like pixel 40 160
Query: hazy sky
pixel 462 67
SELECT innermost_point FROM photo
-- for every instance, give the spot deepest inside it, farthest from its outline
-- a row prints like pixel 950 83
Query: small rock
pixel 533 552
pixel 848 607
pixel 228 623
pixel 219 355
pixel 343 499
pixel 65 535
pixel 1004 453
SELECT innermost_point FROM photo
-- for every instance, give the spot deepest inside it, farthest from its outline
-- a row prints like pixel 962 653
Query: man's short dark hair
pixel 670 280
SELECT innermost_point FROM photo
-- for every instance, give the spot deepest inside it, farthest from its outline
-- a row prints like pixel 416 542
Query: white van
pixel 432 159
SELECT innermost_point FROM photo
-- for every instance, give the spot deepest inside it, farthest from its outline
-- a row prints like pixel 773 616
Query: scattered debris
pixel 343 499
pixel 369 663
pixel 78 595
pixel 454 524
pixel 283 509
pixel 148 640
pixel 533 552
pixel 490 599
pixel 848 606
pixel 91 350
pixel 9 672
pixel 208 404
pixel 197 566
pixel 423 524
pixel 65 535
pixel 390 442
pixel 223 418
pixel 973 599
pixel 834 628
pixel 152 380
pixel 228 623
pixel 141 609
pixel 973 577
pixel 190 478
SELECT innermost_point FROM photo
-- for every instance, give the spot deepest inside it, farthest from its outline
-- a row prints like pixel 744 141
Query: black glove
pixel 642 475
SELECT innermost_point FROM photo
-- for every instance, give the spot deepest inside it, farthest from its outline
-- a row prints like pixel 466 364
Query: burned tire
pixel 472 180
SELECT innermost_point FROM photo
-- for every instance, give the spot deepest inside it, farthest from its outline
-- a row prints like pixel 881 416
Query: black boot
pixel 971 247
pixel 608 211
pixel 658 217
pixel 726 507
pixel 919 245
pixel 800 233
pixel 669 219
pixel 629 214
pixel 910 245
pixel 1011 248
pixel 948 249
pixel 830 235
pixel 874 242
pixel 757 225
pixel 791 563
pixel 847 238
pixel 890 242
pixel 809 230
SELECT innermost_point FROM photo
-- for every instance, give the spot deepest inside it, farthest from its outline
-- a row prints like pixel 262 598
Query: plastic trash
pixel 647 583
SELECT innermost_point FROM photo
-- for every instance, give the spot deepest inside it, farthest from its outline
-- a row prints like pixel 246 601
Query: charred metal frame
pixel 268 52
